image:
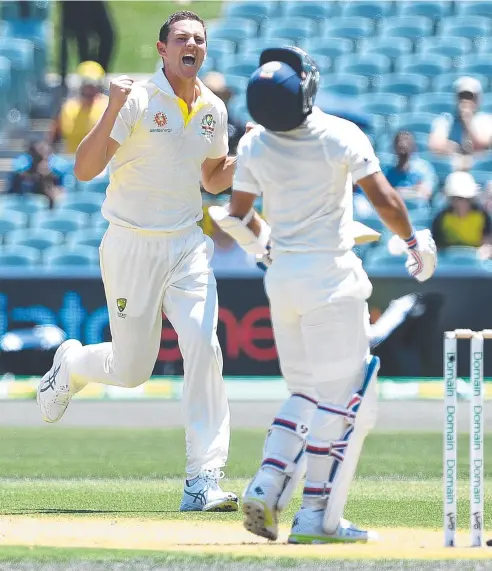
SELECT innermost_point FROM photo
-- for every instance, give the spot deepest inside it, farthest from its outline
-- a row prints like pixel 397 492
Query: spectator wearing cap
pixel 468 130
pixel 412 176
pixel 464 222
pixel 80 114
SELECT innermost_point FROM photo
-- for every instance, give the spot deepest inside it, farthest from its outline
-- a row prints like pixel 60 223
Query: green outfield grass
pixel 138 473
pixel 136 25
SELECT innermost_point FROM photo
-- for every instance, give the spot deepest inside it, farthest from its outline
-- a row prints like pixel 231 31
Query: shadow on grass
pixel 64 511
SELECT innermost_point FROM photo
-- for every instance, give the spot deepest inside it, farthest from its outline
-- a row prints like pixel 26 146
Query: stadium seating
pixel 434 103
pixel 291 28
pixel 411 27
pixel 98 184
pixel 62 256
pixel 447 46
pixel 253 46
pixel 91 237
pixel 61 220
pixel 467 9
pixel 26 203
pixel 34 238
pixel 346 84
pixel 472 64
pixel 21 55
pixel 353 28
pixel 5 73
pixel 368 65
pixel 445 81
pixel 243 65
pixel 372 9
pixel 465 26
pixel 12 220
pixel 14 256
pixel 234 29
pixel 423 64
pixel 429 9
pixel 407 84
pixel 328 47
pixel 317 11
pixel 384 103
pixel 88 202
pixel 387 47
pixel 257 11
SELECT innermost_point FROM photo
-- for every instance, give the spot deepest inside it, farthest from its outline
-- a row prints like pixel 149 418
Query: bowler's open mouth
pixel 189 60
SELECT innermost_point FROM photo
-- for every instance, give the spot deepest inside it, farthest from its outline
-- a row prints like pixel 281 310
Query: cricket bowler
pixel 304 163
pixel 160 137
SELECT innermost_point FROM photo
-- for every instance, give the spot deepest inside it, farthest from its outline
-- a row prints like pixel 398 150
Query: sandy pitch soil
pixel 214 537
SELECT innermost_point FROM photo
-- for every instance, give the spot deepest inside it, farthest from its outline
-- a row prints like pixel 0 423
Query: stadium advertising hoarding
pixel 77 305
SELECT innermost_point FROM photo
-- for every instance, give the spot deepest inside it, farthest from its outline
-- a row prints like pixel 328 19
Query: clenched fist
pixel 119 89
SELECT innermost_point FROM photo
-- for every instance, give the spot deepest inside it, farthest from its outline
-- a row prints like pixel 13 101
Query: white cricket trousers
pixel 145 274
pixel 320 321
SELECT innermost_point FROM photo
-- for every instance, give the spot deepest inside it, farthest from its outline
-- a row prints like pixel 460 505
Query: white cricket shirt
pixel 155 174
pixel 306 178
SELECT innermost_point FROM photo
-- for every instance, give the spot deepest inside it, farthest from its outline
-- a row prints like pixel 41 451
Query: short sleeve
pixel 125 121
pixel 220 147
pixel 360 156
pixel 244 181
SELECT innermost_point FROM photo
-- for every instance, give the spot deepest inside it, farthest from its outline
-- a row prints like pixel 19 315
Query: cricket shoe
pixel 54 392
pixel 307 528
pixel 260 502
pixel 205 495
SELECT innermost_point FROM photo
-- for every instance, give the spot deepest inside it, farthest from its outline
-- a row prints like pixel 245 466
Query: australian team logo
pixel 160 119
pixel 208 126
pixel 121 305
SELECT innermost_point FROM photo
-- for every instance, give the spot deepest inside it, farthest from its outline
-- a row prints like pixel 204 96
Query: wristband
pixel 412 241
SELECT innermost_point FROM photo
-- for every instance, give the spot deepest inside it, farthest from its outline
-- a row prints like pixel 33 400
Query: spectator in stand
pixel 465 133
pixel 80 114
pixel 464 222
pixel 411 176
pixel 216 82
pixel 38 171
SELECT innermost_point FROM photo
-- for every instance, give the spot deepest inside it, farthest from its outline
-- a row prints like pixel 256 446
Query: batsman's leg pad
pixel 286 455
pixel 360 418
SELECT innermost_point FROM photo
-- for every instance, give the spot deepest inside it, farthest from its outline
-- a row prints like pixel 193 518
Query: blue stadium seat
pixel 424 65
pixel 407 84
pixel 26 203
pixel 483 163
pixel 98 222
pixel 411 27
pixel 60 256
pixel 12 220
pixel 318 11
pixel 209 65
pixel 383 103
pixel 353 28
pixel 484 45
pixel 257 11
pixel 39 10
pixel 5 81
pixel 234 29
pixel 420 217
pixel 476 63
pixel 88 202
pixel 296 29
pixel 61 220
pixel 346 84
pixel 385 142
pixel 474 8
pixel 363 64
pixel 373 9
pixel 34 238
pixel 236 83
pixel 328 47
pixel 387 46
pixel 482 178
pixel 380 259
pixel 459 255
pixel 429 9
pixel 218 49
pixel 98 184
pixel 465 26
pixel 386 159
pixel 414 122
pixel 442 165
pixel 254 46
pixel 243 65
pixel 21 55
pixel 486 103
pixel 445 81
pixel 39 32
pixel 447 46
pixel 434 102
pixel 90 237
pixel 19 256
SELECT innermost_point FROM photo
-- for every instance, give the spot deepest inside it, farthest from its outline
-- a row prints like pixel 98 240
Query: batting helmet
pixel 281 92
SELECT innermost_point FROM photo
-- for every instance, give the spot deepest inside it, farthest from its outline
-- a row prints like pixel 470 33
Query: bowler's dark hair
pixel 178 17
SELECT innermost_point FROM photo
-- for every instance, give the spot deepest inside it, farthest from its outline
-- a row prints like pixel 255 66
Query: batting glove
pixel 421 255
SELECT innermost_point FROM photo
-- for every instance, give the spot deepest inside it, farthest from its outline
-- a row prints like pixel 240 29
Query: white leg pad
pixel 346 451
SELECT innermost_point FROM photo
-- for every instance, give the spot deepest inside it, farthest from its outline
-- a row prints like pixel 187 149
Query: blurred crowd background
pixel 416 76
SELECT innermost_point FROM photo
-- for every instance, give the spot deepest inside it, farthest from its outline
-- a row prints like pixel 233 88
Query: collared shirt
pixel 155 174
pixel 306 177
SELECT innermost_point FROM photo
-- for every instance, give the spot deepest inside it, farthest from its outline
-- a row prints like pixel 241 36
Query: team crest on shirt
pixel 208 126
pixel 160 119
pixel 121 304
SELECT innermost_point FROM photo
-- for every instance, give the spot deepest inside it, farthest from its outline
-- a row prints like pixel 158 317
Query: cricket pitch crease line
pixel 201 537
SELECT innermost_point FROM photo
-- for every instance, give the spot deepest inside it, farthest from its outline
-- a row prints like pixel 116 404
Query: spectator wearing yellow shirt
pixel 464 222
pixel 80 114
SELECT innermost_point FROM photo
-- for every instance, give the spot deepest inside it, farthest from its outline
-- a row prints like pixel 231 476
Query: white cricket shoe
pixel 260 502
pixel 54 392
pixel 205 494
pixel 307 528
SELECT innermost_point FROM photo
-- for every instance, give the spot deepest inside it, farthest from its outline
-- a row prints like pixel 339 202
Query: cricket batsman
pixel 160 137
pixel 304 163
